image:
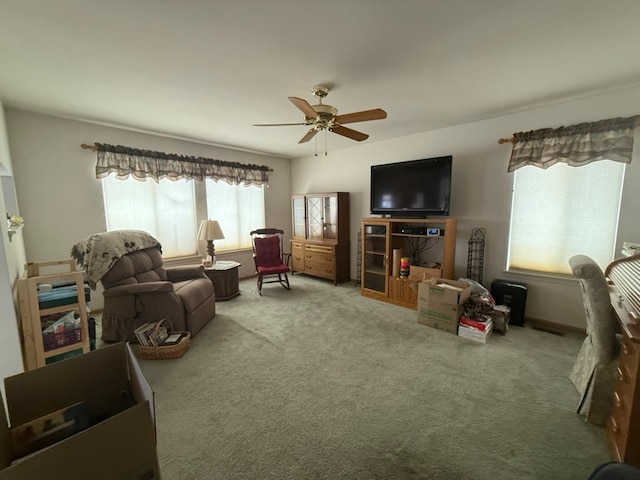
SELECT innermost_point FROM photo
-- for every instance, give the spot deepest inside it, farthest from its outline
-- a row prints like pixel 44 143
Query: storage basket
pixel 500 316
pixel 161 352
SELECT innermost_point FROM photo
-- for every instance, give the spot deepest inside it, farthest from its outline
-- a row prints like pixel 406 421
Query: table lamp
pixel 210 230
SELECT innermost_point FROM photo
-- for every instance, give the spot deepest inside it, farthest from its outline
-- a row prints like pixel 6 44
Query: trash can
pixel 513 295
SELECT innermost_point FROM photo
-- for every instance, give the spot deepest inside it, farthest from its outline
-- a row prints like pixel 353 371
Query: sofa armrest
pixel 181 273
pixel 138 288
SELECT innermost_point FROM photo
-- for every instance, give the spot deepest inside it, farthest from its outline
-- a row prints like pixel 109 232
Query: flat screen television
pixel 416 188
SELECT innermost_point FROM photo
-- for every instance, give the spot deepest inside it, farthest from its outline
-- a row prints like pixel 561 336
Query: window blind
pixel 562 211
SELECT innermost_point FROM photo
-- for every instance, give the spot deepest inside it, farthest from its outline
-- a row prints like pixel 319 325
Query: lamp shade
pixel 210 230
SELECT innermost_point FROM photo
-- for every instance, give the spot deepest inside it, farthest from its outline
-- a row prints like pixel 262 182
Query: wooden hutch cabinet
pixel 430 242
pixel 320 240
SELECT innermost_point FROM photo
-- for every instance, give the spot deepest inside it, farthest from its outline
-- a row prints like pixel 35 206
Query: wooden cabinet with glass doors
pixel 429 243
pixel 320 240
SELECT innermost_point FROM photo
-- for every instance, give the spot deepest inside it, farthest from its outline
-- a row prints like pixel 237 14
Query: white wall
pixel 12 262
pixel 61 200
pixel 481 189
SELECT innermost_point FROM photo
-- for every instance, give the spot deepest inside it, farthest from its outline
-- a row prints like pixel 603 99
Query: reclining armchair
pixel 139 289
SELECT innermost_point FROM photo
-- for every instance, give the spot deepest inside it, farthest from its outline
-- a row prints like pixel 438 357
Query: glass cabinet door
pixel 315 217
pixel 330 217
pixel 315 220
pixel 298 217
pixel 374 265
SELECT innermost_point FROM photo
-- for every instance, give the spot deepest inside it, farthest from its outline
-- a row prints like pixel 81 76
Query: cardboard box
pixel 482 324
pixel 444 292
pixel 474 334
pixel 440 303
pixel 446 323
pixel 422 273
pixel 500 317
pixel 119 441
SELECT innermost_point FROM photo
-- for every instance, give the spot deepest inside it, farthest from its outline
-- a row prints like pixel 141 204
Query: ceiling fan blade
pixel 276 124
pixel 308 136
pixel 304 106
pixel 347 132
pixel 365 115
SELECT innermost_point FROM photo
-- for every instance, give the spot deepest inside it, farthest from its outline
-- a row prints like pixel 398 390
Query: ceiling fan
pixel 325 117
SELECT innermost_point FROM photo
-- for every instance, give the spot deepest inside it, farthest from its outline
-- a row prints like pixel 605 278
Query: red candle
pixel 404 267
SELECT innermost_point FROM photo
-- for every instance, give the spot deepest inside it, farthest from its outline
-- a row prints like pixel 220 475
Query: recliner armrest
pixel 181 273
pixel 138 288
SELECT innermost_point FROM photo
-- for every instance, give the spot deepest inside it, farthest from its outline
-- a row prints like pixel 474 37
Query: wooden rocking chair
pixel 272 264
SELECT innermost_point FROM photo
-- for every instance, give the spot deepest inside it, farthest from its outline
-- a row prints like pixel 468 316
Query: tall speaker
pixel 513 295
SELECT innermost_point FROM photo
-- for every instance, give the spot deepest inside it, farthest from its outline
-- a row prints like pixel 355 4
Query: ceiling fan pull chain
pixel 325 143
pixel 316 144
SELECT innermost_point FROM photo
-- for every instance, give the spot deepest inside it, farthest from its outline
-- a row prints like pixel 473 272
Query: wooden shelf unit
pixel 31 314
pixel 380 236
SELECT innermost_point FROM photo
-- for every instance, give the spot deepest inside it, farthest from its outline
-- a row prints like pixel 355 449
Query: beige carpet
pixel 322 383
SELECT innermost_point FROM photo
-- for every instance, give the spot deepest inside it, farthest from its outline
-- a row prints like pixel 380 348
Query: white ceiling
pixel 206 70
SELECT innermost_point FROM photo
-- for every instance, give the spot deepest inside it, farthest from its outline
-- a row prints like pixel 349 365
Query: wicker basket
pixel 161 352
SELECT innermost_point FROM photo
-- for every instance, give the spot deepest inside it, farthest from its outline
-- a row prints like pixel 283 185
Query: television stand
pixel 409 216
pixel 429 241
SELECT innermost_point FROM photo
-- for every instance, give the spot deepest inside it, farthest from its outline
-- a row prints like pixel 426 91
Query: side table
pixel 224 276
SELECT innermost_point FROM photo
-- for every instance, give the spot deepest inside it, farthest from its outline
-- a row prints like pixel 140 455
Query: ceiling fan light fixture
pixel 325 117
pixel 325 110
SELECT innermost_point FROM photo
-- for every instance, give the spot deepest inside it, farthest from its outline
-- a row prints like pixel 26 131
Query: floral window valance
pixel 141 164
pixel 576 145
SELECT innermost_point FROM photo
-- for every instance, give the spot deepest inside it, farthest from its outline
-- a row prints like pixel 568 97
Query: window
pixel 562 211
pixel 168 210
pixel 239 209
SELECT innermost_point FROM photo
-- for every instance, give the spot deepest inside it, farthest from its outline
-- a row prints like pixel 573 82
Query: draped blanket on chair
pixel 98 252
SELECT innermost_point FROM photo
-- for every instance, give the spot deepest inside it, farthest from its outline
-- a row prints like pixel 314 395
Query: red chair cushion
pixel 273 270
pixel 268 253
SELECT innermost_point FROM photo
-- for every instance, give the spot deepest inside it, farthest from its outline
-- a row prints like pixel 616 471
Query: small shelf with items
pixel 54 317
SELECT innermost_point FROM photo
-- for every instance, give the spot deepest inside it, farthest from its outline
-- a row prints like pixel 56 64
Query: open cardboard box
pixel 440 303
pixel 421 273
pixel 119 441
